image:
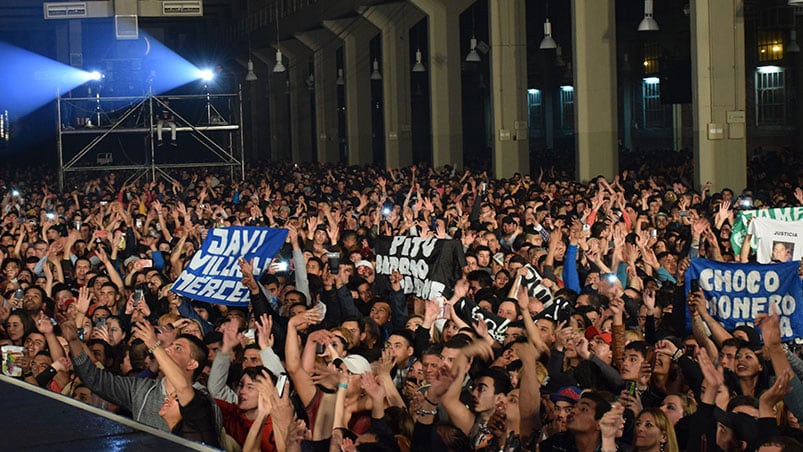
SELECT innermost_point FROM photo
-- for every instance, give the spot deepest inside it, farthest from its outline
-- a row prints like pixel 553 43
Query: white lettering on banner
pixel 414 272
pixel 496 331
pixel 739 281
pixel 412 246
pixel 726 307
pixel 213 273
pixel 230 242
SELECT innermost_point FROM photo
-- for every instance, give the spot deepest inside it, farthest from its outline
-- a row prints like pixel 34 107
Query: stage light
pixel 206 74
pixel 95 75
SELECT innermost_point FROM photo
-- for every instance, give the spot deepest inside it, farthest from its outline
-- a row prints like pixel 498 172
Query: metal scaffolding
pixel 86 126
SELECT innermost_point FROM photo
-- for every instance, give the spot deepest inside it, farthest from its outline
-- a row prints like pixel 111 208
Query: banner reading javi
pixel 737 293
pixel 213 275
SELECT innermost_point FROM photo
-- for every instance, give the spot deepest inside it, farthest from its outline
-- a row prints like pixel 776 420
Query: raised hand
pixel 770 327
pixel 264 331
pixel 373 387
pixel 612 421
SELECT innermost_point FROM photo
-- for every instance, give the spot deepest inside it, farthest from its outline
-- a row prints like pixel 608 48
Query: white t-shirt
pixel 777 240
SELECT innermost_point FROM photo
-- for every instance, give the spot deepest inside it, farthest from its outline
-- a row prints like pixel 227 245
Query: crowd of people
pixel 334 355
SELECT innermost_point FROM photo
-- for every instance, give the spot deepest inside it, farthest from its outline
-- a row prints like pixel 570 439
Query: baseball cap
pixel 364 263
pixel 569 394
pixel 356 364
pixel 592 332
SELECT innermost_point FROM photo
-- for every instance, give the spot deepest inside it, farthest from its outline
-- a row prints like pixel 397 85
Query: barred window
pixel 770 46
pixel 535 110
pixel 652 109
pixel 567 108
pixel 770 96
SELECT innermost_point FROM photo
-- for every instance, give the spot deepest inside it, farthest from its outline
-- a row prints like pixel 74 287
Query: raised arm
pixel 529 393
pixel 219 372
pixel 292 356
pixel 177 377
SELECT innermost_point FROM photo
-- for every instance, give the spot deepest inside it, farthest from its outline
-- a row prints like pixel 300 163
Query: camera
pixel 334 262
pixel 138 295
pixel 694 285
pixel 281 383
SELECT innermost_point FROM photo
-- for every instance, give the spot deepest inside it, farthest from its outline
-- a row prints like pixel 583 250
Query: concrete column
pixel 508 25
pixel 356 34
pixel 628 88
pixel 324 44
pixel 718 78
pixel 595 100
pixel 443 63
pixel 278 112
pixel 300 112
pixel 395 20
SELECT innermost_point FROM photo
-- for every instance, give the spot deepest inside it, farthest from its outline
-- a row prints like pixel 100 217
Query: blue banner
pixel 213 275
pixel 737 293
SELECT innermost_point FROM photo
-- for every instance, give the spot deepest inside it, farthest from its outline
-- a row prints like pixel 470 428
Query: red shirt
pixel 237 426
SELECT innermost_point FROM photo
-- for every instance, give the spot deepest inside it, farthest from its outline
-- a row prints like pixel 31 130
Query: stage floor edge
pixel 34 419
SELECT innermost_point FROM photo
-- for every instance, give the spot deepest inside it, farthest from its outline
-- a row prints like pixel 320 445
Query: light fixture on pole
pixel 279 67
pixel 250 76
pixel 419 65
pixel 793 47
pixel 648 23
pixel 548 42
pixel 376 75
pixel 473 56
pixel 340 81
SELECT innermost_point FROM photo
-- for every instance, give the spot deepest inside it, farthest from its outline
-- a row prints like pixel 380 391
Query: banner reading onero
pixel 737 293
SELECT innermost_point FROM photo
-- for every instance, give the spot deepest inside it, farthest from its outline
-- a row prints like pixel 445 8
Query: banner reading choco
pixel 737 293
pixel 213 275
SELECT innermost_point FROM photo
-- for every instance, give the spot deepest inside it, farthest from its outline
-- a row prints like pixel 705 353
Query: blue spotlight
pixel 95 75
pixel 165 69
pixel 206 74
pixel 33 80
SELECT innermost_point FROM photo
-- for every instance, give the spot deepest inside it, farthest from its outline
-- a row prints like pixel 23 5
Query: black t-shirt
pixel 197 421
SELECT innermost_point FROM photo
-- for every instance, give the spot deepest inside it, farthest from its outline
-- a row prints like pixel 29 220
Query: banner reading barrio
pixel 737 293
pixel 430 266
pixel 213 275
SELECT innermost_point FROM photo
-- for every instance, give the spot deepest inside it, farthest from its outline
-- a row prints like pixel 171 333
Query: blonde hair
pixel 665 425
pixel 689 405
pixel 633 336
pixel 170 317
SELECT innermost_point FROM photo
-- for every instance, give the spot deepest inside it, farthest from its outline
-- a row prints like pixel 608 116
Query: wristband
pixel 343 385
pixel 678 353
pixel 426 412
pixel 430 401
pixel 155 346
